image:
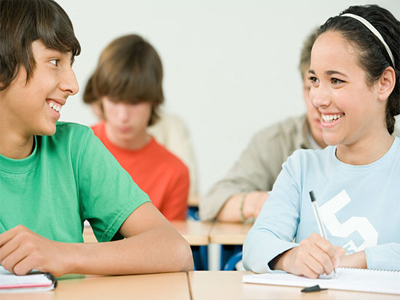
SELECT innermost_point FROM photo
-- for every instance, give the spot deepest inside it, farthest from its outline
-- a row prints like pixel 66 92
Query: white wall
pixel 230 65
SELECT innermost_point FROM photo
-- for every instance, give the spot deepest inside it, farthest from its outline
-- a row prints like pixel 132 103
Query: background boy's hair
pixel 24 21
pixel 129 70
pixel 305 56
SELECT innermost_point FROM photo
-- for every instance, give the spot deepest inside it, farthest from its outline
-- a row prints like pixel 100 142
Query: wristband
pixel 242 219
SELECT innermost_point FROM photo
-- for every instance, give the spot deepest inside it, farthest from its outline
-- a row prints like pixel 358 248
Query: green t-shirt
pixel 70 177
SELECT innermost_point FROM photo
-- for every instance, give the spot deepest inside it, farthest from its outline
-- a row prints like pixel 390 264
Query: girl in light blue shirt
pixel 355 70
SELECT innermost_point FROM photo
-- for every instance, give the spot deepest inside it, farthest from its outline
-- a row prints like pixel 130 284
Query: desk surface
pixel 200 233
pixel 195 233
pixel 208 285
pixel 229 233
pixel 194 201
pixel 154 286
pixel 198 285
pixel 88 235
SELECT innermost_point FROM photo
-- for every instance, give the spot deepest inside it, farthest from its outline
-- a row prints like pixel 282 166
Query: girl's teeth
pixel 330 118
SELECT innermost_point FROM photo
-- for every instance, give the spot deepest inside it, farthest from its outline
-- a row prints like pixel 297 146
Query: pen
pixel 319 221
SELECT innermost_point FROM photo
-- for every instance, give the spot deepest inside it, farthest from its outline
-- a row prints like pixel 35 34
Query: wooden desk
pixel 231 236
pixel 228 285
pixel 194 201
pixel 172 286
pixel 196 285
pixel 88 235
pixel 195 233
pixel 229 233
pixel 199 233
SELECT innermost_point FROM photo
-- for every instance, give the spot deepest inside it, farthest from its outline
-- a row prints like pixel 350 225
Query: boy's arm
pixel 152 245
pixel 243 205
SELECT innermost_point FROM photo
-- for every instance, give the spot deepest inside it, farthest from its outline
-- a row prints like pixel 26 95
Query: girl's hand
pixel 313 257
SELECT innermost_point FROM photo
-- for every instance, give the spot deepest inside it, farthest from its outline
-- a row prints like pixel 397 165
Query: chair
pixel 233 260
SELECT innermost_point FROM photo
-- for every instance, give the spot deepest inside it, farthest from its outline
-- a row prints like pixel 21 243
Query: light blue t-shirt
pixel 359 206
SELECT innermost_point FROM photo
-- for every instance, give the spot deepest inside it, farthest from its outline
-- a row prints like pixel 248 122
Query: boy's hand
pixel 22 250
pixel 313 257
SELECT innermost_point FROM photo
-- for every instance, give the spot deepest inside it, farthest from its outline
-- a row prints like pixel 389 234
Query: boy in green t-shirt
pixel 55 175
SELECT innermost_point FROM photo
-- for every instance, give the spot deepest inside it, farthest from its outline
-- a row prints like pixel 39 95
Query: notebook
pixel 349 279
pixel 32 282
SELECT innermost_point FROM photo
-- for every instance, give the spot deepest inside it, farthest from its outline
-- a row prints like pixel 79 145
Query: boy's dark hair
pixel 129 70
pixel 24 21
pixel 373 58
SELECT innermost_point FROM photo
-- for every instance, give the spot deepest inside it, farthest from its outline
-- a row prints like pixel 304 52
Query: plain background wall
pixel 230 65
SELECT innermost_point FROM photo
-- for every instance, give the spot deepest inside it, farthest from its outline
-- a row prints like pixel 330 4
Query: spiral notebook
pixel 376 281
pixel 32 282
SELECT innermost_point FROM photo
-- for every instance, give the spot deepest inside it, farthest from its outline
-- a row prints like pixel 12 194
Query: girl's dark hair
pixel 24 21
pixel 373 58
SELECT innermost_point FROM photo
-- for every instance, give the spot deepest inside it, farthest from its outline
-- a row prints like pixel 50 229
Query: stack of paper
pixel 32 282
pixel 378 281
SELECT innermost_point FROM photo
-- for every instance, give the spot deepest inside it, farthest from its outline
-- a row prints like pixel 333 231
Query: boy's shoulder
pixel 71 126
pixel 69 133
pixel 70 140
pixel 71 129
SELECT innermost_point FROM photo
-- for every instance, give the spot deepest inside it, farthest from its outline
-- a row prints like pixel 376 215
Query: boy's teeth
pixel 55 106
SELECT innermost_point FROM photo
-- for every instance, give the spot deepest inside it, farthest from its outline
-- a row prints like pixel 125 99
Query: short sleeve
pixel 107 193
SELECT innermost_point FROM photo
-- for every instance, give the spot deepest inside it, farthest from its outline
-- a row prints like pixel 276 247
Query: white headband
pixel 374 31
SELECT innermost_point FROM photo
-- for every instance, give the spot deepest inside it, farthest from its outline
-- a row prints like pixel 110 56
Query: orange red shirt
pixel 158 172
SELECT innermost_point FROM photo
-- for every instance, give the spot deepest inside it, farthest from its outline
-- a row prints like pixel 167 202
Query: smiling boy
pixel 56 175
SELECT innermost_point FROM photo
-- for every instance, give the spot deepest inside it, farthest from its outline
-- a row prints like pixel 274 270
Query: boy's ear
pixel 387 81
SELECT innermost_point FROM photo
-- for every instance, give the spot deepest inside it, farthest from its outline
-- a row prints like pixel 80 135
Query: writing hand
pixel 313 257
